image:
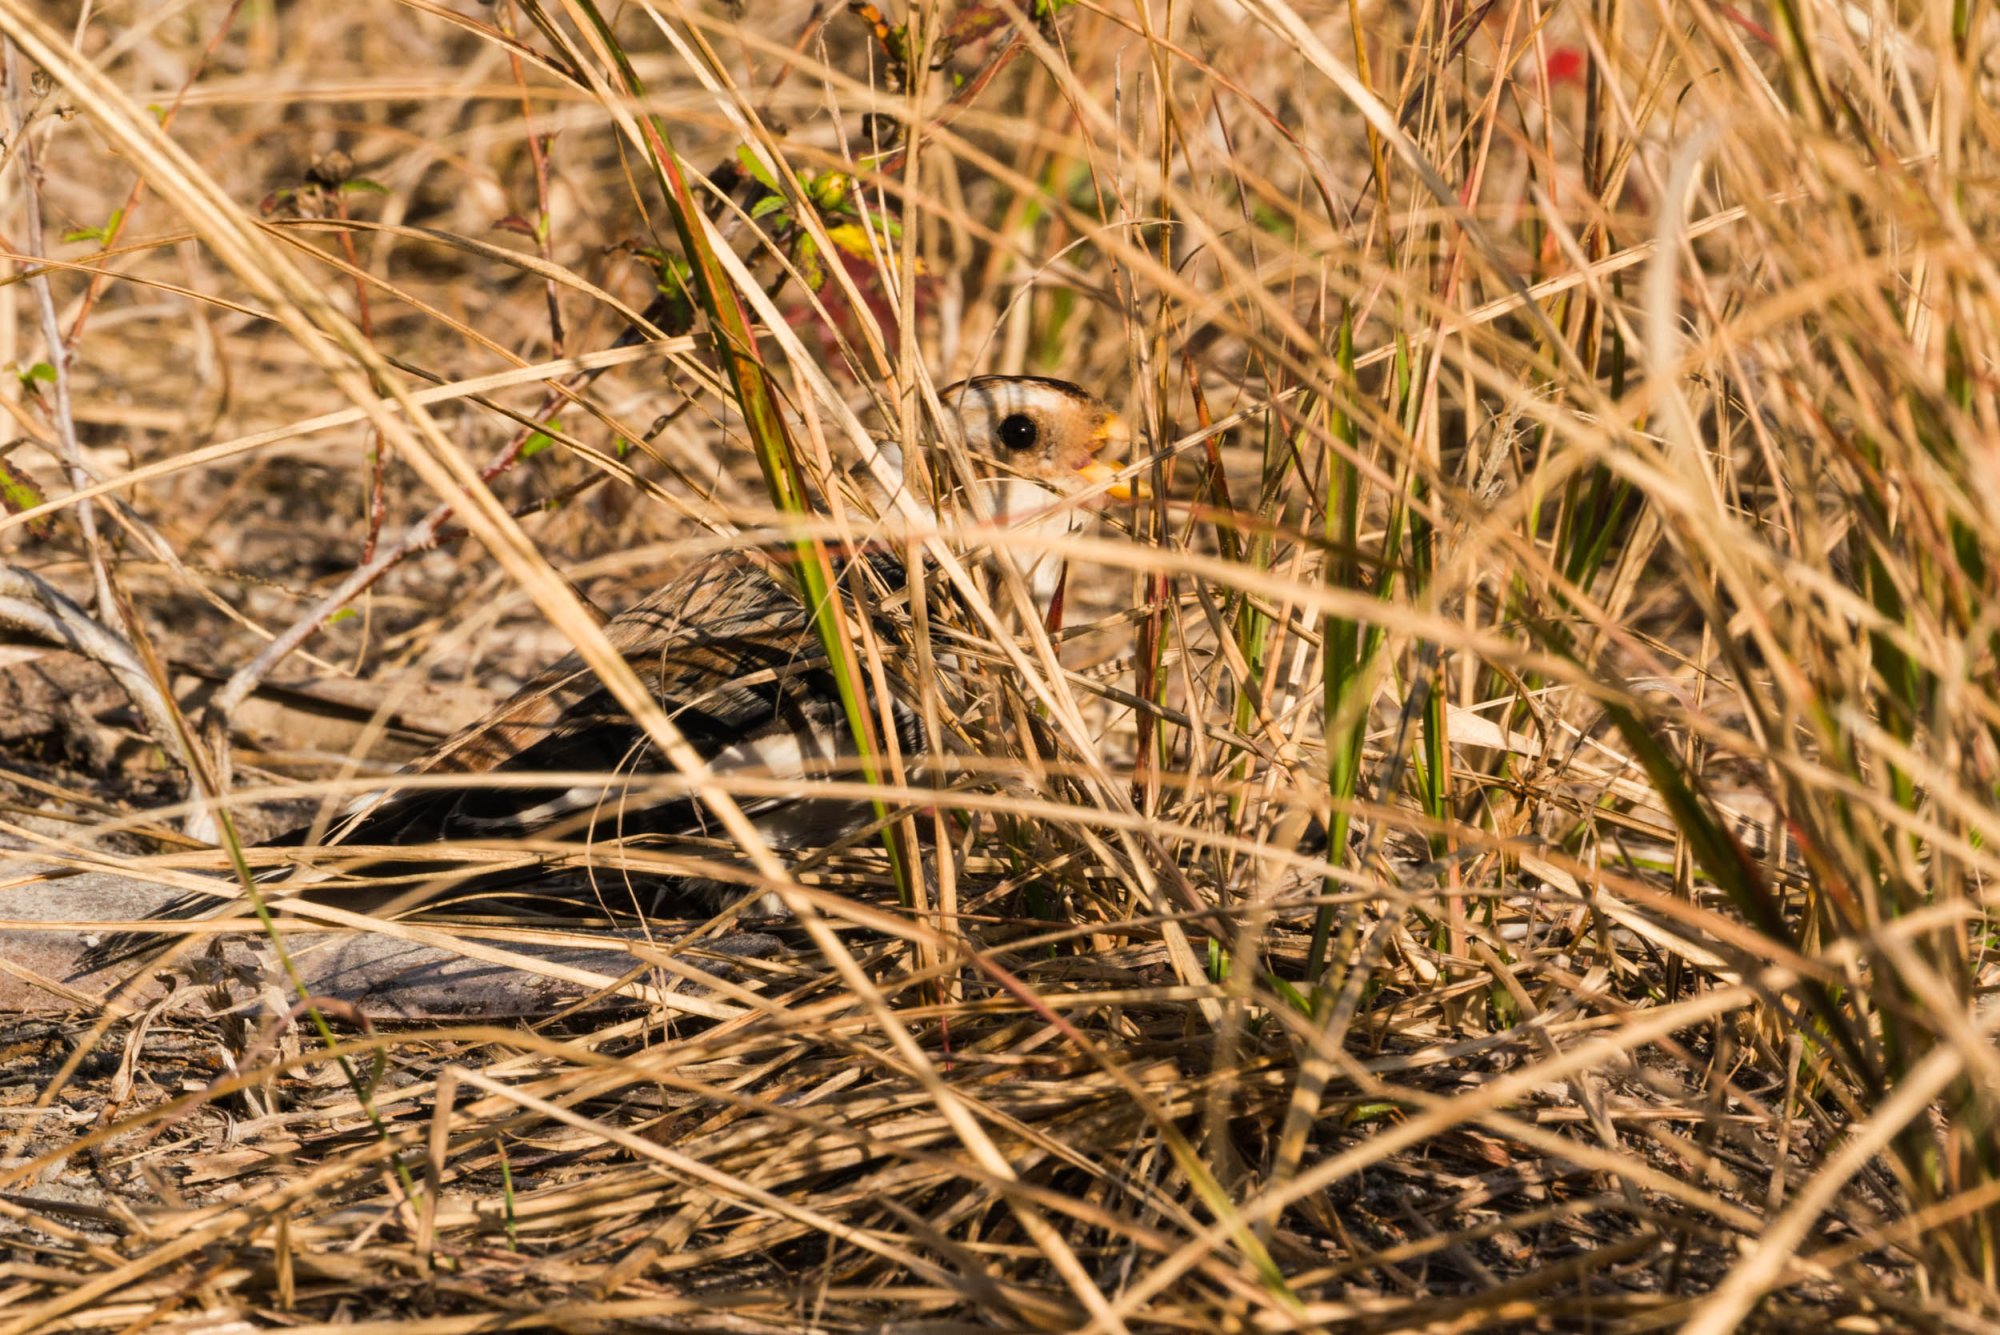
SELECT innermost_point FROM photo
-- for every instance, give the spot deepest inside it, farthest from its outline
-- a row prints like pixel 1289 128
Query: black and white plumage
pixel 731 655
pixel 730 652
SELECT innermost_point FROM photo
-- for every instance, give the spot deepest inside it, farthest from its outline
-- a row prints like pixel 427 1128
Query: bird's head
pixel 1046 432
pixel 1034 444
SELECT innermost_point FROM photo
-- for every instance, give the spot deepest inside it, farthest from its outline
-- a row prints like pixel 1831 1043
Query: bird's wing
pixel 727 650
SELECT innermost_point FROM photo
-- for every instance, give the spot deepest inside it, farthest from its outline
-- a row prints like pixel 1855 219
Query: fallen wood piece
pixel 401 973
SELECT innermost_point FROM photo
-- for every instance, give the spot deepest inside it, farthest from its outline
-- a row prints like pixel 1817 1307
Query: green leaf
pixel 41 373
pixel 1289 994
pixel 344 614
pixel 1218 962
pixel 361 185
pixel 540 441
pixel 676 289
pixel 101 235
pixel 747 157
pixel 18 492
pixel 768 205
pixel 811 268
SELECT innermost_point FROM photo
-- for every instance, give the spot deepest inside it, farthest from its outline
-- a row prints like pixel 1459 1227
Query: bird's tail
pixel 120 947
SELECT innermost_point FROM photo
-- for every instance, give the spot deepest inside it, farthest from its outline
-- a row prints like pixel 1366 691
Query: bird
pixel 731 653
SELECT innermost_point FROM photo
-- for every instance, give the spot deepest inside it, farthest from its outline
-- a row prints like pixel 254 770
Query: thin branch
pixel 68 451
pixel 32 603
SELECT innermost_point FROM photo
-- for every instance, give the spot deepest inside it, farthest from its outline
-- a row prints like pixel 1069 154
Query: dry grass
pixel 1498 841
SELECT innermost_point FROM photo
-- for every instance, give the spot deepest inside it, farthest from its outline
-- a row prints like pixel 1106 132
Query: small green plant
pixel 102 235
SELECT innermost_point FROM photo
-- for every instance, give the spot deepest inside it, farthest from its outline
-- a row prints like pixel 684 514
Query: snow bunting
pixel 731 654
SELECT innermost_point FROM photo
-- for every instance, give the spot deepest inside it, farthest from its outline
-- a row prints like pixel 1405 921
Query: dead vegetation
pixel 1496 840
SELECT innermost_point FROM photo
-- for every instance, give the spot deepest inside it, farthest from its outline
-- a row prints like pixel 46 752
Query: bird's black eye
pixel 1018 431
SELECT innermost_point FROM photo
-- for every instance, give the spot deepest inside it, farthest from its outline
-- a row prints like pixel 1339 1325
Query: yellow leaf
pixel 853 238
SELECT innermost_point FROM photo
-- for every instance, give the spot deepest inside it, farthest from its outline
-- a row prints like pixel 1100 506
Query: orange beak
pixel 1097 473
pixel 1113 439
